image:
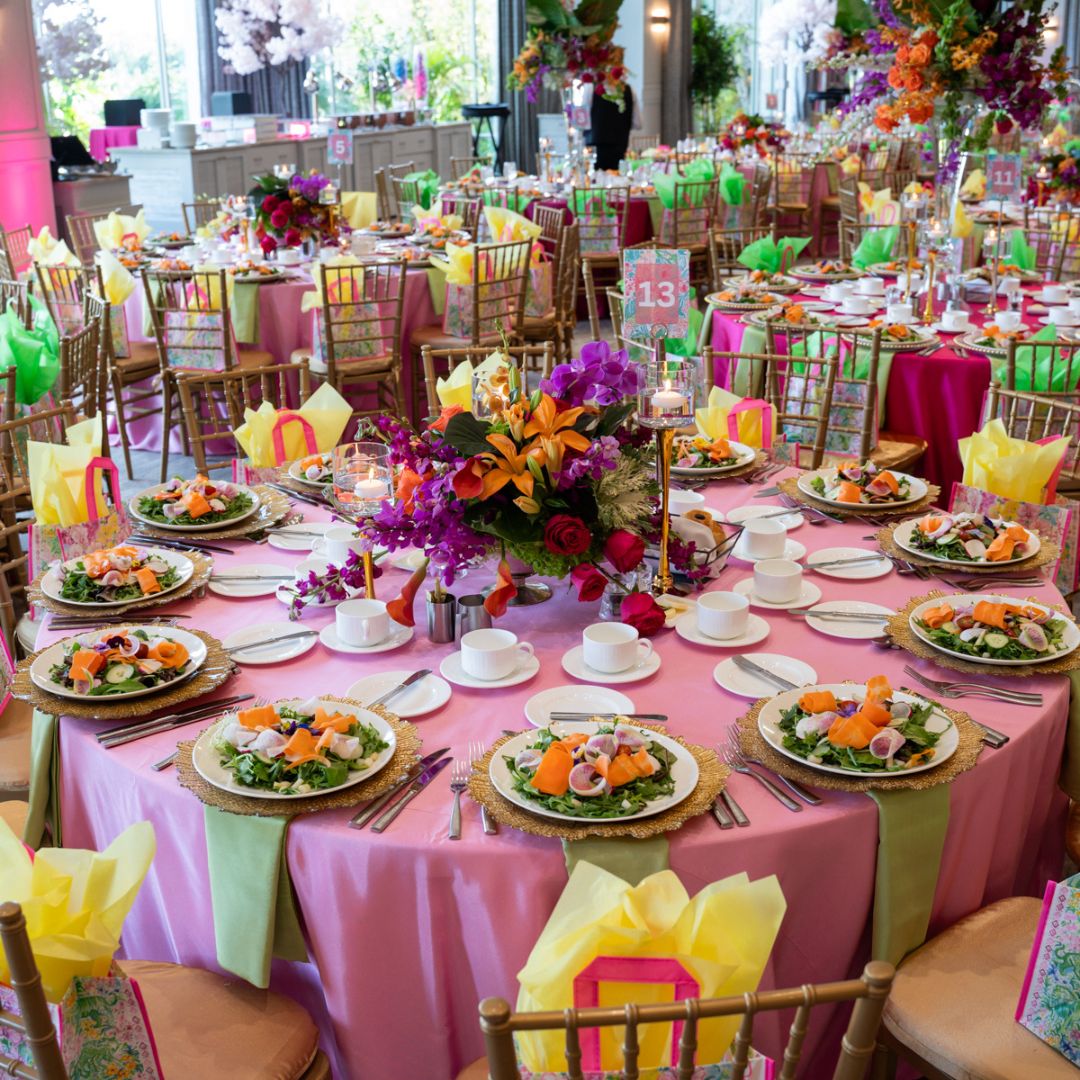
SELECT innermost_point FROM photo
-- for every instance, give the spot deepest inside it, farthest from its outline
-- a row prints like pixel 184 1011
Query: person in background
pixel 610 131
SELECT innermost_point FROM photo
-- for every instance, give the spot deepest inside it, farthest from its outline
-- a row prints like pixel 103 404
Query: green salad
pixel 119 661
pixel 194 502
pixel 988 630
pixel 617 772
pixel 116 575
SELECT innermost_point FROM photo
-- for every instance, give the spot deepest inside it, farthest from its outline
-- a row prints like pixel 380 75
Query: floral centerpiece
pixel 752 131
pixel 1057 176
pixel 290 212
pixel 570 40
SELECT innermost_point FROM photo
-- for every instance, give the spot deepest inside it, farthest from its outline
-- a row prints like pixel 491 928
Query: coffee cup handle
pixel 525 651
pixel 648 650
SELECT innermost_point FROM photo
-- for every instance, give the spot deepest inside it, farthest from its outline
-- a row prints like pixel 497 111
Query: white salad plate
pixel 54 654
pixel 757 629
pixel 51 583
pixel 452 671
pixel 398 636
pixel 793 551
pixel 278 652
pixel 854 629
pixel 916 491
pixel 904 532
pixel 573 663
pixel 228 523
pixel 300 537
pixel 684 771
pixel 410 560
pixel 297 474
pixel 748 685
pixel 769 726
pixel 262 579
pixel 744 455
pixel 741 514
pixel 207 760
pixel 578 699
pixel 809 594
pixel 423 697
pixel 856 571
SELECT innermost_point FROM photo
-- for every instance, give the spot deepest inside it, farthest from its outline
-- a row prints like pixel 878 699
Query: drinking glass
pixel 362 477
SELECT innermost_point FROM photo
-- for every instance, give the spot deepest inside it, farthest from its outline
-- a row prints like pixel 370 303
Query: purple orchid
pixel 598 377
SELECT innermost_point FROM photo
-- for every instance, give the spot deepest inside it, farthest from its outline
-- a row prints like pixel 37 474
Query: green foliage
pixel 714 63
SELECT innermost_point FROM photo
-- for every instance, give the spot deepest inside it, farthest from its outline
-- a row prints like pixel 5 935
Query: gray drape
pixel 520 136
pixel 274 89
pixel 675 120
pixel 1069 20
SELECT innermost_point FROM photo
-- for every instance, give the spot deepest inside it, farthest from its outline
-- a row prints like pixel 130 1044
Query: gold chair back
pixel 81 379
pixel 693 216
pixel 64 289
pixel 80 227
pixel 500 275
pixel 602 218
pixel 466 207
pixel 190 315
pixel 16 293
pixel 385 197
pixel 639 141
pixel 199 213
pixel 15 249
pixel 361 314
pixel 848 192
pixel 728 245
pixel 1031 417
pixel 530 358
pixel 462 166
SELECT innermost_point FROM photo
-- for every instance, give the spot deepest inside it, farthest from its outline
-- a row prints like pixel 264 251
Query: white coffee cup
pixel 763 538
pixel 362 622
pixel 898 313
pixel 778 581
pixel 1074 306
pixel 1010 320
pixel 870 286
pixel 1061 316
pixel 837 290
pixel 723 615
pixel 680 500
pixel 902 281
pixel 855 305
pixel 288 256
pixel 337 542
pixel 492 653
pixel 612 647
pixel 1054 294
pixel 955 320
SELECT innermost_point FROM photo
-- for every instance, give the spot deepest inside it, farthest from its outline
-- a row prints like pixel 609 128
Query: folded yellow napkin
pixel 850 165
pixel 429 217
pixel 1011 468
pixel 878 206
pixel 122 231
pixel 456 388
pixel 962 226
pixel 508 227
pixel 46 250
pixel 117 280
pixel 712 421
pixel 974 185
pixel 341 285
pixel 457 264
pixel 74 902
pixel 326 411
pixel 58 475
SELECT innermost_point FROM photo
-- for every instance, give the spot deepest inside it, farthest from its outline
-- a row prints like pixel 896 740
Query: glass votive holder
pixel 667 398
pixel 363 477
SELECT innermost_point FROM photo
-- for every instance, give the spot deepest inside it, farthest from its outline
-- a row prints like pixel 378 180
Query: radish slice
pixel 586 781
pixel 600 744
pixel 173 509
pixel 628 736
pixel 270 742
pixel 528 759
pixel 975 548
pixel 886 742
pixel 236 734
pixel 945 526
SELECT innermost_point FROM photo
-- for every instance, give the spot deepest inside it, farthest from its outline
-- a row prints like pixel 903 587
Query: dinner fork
pixel 732 756
pixel 970 689
pixel 165 762
pixel 476 752
pixel 459 777
pixel 978 583
pixel 793 786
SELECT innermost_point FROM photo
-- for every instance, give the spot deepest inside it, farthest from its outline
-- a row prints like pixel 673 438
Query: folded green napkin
pixel 436 276
pixel 44 811
pixel 1069 781
pixel 656 214
pixel 255 915
pixel 664 185
pixel 701 168
pixel 34 353
pixel 1021 253
pixel 732 184
pixel 245 312
pixel 632 860
pixel 1044 365
pixel 771 255
pixel 427 186
pixel 875 247
pixel 688 345
pixel 911 838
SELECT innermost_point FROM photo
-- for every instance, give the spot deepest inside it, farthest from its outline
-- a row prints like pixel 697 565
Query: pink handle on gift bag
pixel 105 466
pixel 1051 484
pixel 286 416
pixel 748 405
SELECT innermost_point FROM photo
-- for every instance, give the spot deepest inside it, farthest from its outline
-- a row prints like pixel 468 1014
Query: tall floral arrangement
pixel 750 130
pixel 569 40
pixel 290 212
pixel 259 33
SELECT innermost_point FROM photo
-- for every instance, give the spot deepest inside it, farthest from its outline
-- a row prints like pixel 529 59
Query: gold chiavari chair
pixel 16 293
pixel 847 190
pixel 1046 240
pixel 602 217
pixel 466 207
pixel 759 189
pixel 385 196
pixel 689 224
pixel 792 176
pixel 591 304
pixel 558 324
pixel 869 994
pixel 530 359
pixel 8 378
pixel 727 245
pixel 552 220
pixel 80 227
pixel 281 1041
pixel 462 166
pixel 213 402
pixel 15 249
pixel 406 195
pixel 1049 368
pixel 81 379
pixel 640 141
pixel 64 290
pixel 851 236
pixel 1033 416
pixel 199 213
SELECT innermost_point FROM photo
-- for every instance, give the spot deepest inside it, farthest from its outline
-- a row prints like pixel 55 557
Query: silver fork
pixel 459 777
pixel 476 752
pixel 979 583
pixel 165 762
pixel 792 785
pixel 968 689
pixel 732 755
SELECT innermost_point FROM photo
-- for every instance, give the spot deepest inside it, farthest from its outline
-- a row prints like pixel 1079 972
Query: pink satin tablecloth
pixel 101 139
pixel 408 930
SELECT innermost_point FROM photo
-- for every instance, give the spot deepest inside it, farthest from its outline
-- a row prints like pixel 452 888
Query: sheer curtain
pixel 274 89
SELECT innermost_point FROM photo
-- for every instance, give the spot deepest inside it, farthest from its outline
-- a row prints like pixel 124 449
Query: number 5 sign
pixel 656 285
pixel 339 148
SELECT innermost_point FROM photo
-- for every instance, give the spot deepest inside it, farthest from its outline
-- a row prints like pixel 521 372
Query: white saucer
pixel 810 594
pixel 580 699
pixel 429 694
pixel 793 550
pixel 938 328
pixel 453 671
pixel 258 586
pixel 399 635
pixel 287 598
pixel 1045 320
pixel 757 629
pixel 744 513
pixel 736 681
pixel 862 571
pixel 1040 298
pixel 408 560
pixel 574 664
pixel 272 654
pixel 850 321
pixel 857 629
pixel 286 540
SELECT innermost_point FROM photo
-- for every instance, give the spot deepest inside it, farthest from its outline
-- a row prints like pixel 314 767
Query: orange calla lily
pixel 512 467
pixel 554 432
pixel 504 591
pixel 400 609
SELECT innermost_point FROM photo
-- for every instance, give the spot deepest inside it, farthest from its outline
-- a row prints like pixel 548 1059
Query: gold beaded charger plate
pixel 406 754
pixel 759 461
pixel 813 272
pixel 780 284
pixel 790 487
pixel 1046 553
pixel 767 299
pixel 899 630
pixel 202 566
pixel 273 506
pixel 964 757
pixel 215 670
pixel 710 782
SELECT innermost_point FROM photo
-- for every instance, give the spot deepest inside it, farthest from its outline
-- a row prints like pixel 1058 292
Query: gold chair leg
pixel 166 420
pixel 121 423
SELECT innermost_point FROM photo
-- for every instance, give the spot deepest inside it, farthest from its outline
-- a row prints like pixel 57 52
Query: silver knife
pixel 270 641
pixel 656 718
pixel 415 788
pixel 844 616
pixel 372 808
pixel 414 678
pixel 211 712
pixel 830 563
pixel 181 714
pixel 748 665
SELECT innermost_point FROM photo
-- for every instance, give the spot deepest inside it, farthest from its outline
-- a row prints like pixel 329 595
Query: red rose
pixel 624 550
pixel 567 535
pixel 468 481
pixel 268 244
pixel 270 204
pixel 292 238
pixel 280 218
pixel 589 581
pixel 643 613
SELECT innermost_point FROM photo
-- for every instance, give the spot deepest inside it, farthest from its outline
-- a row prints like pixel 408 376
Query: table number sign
pixel 656 284
pixel 339 148
pixel 1003 178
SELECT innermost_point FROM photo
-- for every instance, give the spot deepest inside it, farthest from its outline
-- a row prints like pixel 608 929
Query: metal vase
pixel 441 618
pixel 472 615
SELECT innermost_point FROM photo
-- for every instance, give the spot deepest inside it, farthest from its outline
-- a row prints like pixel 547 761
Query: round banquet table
pixel 938 397
pixel 408 931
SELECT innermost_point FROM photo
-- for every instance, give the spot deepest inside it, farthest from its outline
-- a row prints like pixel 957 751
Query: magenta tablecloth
pixel 408 931
pixel 102 138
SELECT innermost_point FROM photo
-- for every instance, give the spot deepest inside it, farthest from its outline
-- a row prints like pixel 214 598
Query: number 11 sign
pixel 656 285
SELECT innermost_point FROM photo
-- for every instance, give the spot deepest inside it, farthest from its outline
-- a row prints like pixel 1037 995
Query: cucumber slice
pixel 995 641
pixel 119 673
pixel 950 627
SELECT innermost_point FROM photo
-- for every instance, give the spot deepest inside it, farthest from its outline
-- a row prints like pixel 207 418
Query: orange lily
pixel 555 431
pixel 504 591
pixel 512 467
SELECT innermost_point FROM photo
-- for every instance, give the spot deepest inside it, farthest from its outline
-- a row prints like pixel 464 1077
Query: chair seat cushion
pixel 895 451
pixel 215 1025
pixel 953 1000
pixel 436 339
pixel 249 358
pixel 15 721
pixel 13 814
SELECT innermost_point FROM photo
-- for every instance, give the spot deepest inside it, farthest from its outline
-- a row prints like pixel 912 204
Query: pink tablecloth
pixel 102 138
pixel 408 930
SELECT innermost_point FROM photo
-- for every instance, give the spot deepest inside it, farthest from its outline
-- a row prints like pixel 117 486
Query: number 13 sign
pixel 656 284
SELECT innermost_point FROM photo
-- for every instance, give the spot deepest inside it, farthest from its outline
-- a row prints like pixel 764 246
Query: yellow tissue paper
pixel 851 165
pixel 117 280
pixel 326 411
pixel 74 902
pixel 122 231
pixel 58 475
pixel 974 185
pixel 508 227
pixel 879 206
pixel 341 285
pixel 1059 136
pixel 458 264
pixel 358 208
pixel 210 287
pixel 46 250
pixel 712 420
pixel 429 217
pixel 962 226
pixel 1011 468
pixel 456 388
pixel 723 937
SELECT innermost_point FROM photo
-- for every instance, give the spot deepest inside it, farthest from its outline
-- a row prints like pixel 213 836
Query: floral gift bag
pixel 539 290
pixel 1049 1005
pixel 458 314
pixel 195 339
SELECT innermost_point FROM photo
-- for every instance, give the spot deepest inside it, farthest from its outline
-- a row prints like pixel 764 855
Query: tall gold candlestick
pixel 928 308
pixel 369 574
pixel 910 260
pixel 665 442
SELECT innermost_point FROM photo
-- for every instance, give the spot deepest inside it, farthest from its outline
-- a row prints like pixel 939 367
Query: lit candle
pixel 668 400
pixel 371 489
